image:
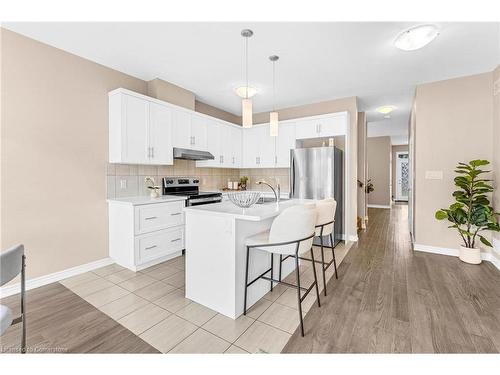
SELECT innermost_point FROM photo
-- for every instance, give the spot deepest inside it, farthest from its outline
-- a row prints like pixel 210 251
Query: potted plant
pixel 243 182
pixel 471 214
pixel 154 190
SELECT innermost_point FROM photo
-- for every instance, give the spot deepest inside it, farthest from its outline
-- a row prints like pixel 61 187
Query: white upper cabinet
pixel 224 143
pixel 213 144
pixel 160 135
pixel 198 132
pixel 258 148
pixel 139 132
pixel 181 132
pixel 284 143
pixel 236 146
pixel 324 126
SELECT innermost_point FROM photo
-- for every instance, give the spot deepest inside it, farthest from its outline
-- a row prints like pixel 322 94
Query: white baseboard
pixel 378 206
pixel 454 252
pixel 54 277
pixel 353 238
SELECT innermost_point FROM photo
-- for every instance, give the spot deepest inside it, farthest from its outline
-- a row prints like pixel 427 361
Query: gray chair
pixel 13 263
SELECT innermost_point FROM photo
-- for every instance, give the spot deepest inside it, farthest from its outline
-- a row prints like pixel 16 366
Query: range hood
pixel 187 154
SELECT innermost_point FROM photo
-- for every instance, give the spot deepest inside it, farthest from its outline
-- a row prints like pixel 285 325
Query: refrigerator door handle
pixel 292 175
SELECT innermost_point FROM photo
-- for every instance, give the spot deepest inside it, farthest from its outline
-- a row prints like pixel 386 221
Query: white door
pixel 181 130
pixel 198 133
pixel 402 176
pixel 284 143
pixel 160 134
pixel 136 124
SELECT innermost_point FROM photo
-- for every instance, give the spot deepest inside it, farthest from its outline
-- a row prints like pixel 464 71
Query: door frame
pixel 397 196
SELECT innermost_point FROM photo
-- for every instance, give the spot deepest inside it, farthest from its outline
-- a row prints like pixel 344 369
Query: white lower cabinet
pixel 142 235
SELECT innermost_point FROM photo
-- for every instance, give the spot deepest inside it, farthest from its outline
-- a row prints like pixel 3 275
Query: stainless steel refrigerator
pixel 318 173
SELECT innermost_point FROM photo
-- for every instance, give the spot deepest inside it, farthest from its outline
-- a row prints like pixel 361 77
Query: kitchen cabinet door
pixel 227 146
pixel 236 142
pixel 251 147
pixel 213 145
pixel 332 126
pixel 284 143
pixel 160 134
pixel 306 129
pixel 181 128
pixel 135 123
pixel 198 140
pixel 267 157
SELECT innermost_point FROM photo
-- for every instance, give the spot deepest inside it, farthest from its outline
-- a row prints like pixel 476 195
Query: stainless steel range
pixel 189 187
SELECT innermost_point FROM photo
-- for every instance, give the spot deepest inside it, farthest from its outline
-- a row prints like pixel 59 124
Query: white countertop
pixel 257 212
pixel 136 201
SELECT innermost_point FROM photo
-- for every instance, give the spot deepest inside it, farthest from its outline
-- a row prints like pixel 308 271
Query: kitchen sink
pixel 265 200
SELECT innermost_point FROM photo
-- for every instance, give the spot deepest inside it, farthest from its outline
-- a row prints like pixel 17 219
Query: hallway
pixel 389 299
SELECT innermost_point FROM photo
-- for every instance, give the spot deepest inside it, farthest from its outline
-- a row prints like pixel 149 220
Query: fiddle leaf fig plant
pixel 471 214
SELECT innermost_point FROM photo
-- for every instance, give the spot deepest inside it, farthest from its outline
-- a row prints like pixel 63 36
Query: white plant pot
pixel 154 193
pixel 471 256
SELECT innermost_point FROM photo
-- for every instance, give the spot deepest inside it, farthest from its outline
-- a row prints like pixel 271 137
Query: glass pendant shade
pixel 273 124
pixel 246 112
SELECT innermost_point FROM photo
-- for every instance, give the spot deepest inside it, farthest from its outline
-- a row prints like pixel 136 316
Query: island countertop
pixel 137 201
pixel 258 212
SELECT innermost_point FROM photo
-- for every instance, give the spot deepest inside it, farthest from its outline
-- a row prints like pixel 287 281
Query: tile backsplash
pixel 125 180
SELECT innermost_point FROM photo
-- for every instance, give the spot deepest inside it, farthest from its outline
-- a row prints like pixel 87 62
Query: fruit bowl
pixel 244 199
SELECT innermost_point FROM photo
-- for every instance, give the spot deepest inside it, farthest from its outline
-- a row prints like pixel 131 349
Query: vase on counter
pixel 155 192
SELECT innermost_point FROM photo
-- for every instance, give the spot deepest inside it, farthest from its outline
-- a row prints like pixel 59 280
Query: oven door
pixel 200 201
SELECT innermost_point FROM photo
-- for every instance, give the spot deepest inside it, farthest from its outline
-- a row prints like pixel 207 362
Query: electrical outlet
pixel 123 184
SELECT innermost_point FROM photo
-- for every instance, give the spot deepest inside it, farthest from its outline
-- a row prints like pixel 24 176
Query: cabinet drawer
pixel 155 245
pixel 152 217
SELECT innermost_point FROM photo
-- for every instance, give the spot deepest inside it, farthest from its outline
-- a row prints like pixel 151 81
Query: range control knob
pixel 169 181
pixel 196 181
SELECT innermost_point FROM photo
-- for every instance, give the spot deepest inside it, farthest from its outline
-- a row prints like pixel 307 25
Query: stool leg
pixel 246 282
pixel 333 253
pixel 322 263
pixel 281 261
pixel 272 260
pixel 297 273
pixel 315 278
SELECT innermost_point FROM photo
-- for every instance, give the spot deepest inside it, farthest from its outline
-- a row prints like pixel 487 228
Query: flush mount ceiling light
pixel 416 37
pixel 246 103
pixel 385 109
pixel 244 91
pixel 273 116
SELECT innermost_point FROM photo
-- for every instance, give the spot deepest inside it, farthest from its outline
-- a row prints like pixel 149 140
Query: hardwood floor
pixel 59 321
pixel 389 299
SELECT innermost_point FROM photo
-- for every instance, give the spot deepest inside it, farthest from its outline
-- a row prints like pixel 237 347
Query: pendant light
pixel 273 116
pixel 246 103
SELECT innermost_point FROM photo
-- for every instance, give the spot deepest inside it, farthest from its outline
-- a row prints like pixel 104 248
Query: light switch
pixel 433 175
pixel 123 184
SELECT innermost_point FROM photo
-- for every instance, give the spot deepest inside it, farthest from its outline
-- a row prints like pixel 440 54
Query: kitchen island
pixel 216 253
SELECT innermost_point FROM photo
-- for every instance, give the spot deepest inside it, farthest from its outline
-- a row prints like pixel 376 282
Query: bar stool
pixel 291 234
pixel 324 227
pixel 13 263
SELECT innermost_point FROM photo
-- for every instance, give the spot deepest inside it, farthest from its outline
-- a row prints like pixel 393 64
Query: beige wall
pixel 395 149
pixel 168 92
pixel 496 148
pixel 361 196
pixel 216 112
pixel 337 105
pixel 454 123
pixel 54 137
pixel 378 154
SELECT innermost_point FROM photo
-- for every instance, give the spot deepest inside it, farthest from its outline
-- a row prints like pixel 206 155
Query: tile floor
pixel 151 304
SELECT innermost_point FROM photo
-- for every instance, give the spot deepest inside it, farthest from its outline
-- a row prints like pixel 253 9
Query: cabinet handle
pixel 153 152
pixel 175 240
pixel 175 214
pixel 151 218
pixel 149 152
pixel 150 247
pixel 233 159
pixel 194 140
pixel 319 127
pixel 275 159
pixel 222 157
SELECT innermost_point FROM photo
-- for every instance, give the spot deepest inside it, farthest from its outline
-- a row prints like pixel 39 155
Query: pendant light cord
pixel 274 87
pixel 246 67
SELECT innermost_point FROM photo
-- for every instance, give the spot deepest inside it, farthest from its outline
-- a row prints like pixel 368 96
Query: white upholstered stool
pixel 291 235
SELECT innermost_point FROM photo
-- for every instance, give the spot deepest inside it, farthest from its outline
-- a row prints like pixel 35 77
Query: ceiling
pixel 318 61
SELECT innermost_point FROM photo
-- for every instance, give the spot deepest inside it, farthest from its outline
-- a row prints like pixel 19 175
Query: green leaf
pixel 478 163
pixel 441 215
pixel 485 241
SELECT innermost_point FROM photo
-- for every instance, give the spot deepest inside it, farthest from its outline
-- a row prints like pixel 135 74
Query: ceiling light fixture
pixel 244 91
pixel 246 103
pixel 273 116
pixel 385 109
pixel 416 37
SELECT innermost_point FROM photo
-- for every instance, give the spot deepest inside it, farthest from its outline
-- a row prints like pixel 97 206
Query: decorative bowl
pixel 244 199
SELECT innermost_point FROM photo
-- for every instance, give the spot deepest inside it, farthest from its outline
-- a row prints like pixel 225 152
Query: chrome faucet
pixel 276 194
